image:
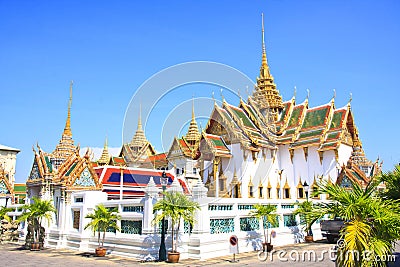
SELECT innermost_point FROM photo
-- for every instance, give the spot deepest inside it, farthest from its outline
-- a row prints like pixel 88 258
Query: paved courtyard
pixel 315 254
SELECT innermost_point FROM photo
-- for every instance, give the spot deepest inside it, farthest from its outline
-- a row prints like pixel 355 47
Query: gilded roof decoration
pixel 105 156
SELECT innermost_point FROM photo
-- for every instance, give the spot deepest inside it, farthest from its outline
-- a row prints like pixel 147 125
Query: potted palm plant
pixel 102 219
pixel 35 213
pixel 269 217
pixel 307 217
pixel 175 206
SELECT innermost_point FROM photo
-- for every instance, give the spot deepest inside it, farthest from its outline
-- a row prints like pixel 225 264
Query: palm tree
pixel 372 224
pixel 102 219
pixel 268 216
pixel 175 206
pixel 392 182
pixel 3 213
pixel 308 216
pixel 35 213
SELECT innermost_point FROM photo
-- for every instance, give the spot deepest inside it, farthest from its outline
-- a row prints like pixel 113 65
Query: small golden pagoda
pixel 105 156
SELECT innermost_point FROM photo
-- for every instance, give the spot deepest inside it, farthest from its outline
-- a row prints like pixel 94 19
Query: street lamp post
pixel 162 252
pixel 306 187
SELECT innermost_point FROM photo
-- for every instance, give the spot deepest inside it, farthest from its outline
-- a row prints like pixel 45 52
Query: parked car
pixel 331 229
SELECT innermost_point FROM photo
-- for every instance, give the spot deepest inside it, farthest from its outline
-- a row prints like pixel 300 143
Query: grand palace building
pixel 262 150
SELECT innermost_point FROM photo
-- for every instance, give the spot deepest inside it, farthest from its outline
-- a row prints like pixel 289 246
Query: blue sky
pixel 109 48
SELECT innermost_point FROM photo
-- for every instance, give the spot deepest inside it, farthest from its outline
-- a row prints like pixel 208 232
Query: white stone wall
pixel 8 161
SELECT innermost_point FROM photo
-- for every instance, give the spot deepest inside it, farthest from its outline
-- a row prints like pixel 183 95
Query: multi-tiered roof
pixel 264 121
pixel 64 166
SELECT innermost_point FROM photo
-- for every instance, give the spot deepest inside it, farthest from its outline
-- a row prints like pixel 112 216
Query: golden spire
pixel 264 64
pixel 67 129
pixel 105 156
pixel 65 146
pixel 139 139
pixel 193 134
pixel 266 95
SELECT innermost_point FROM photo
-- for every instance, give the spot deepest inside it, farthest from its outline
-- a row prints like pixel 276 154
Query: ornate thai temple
pixel 262 150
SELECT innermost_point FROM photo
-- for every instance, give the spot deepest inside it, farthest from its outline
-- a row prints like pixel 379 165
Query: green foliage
pixel 372 222
pixel 392 183
pixel 309 213
pixel 175 206
pixel 102 219
pixel 267 214
pixel 35 212
pixel 3 213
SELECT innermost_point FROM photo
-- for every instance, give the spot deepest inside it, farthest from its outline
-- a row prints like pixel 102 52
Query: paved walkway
pixel 13 255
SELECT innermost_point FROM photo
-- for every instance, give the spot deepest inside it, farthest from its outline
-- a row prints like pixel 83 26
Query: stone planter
pixel 35 246
pixel 267 247
pixel 173 257
pixel 101 252
pixel 309 238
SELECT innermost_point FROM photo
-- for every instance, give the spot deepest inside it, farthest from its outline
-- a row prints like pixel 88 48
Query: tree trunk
pixel 172 234
pixel 104 236
pixel 98 237
pixel 177 234
pixel 265 237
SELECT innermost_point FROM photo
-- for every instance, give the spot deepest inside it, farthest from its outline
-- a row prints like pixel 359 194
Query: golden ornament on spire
pixel 264 71
pixel 105 156
pixel 193 134
pixel 139 139
pixel 266 95
pixel 67 129
pixel 65 146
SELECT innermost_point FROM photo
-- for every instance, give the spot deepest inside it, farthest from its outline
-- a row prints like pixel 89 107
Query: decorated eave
pixel 352 172
pixel 77 173
pixel 216 145
pixel 134 180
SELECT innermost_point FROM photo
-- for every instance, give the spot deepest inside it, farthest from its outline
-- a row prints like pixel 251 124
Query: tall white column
pixel 149 200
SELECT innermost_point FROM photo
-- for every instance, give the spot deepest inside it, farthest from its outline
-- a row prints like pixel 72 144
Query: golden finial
pixel 67 129
pixel 334 93
pixel 264 54
pixel 247 90
pixel 193 117
pixel 351 98
pixel 213 98
pixel 295 92
pixel 140 117
pixel 308 94
pixel 222 96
